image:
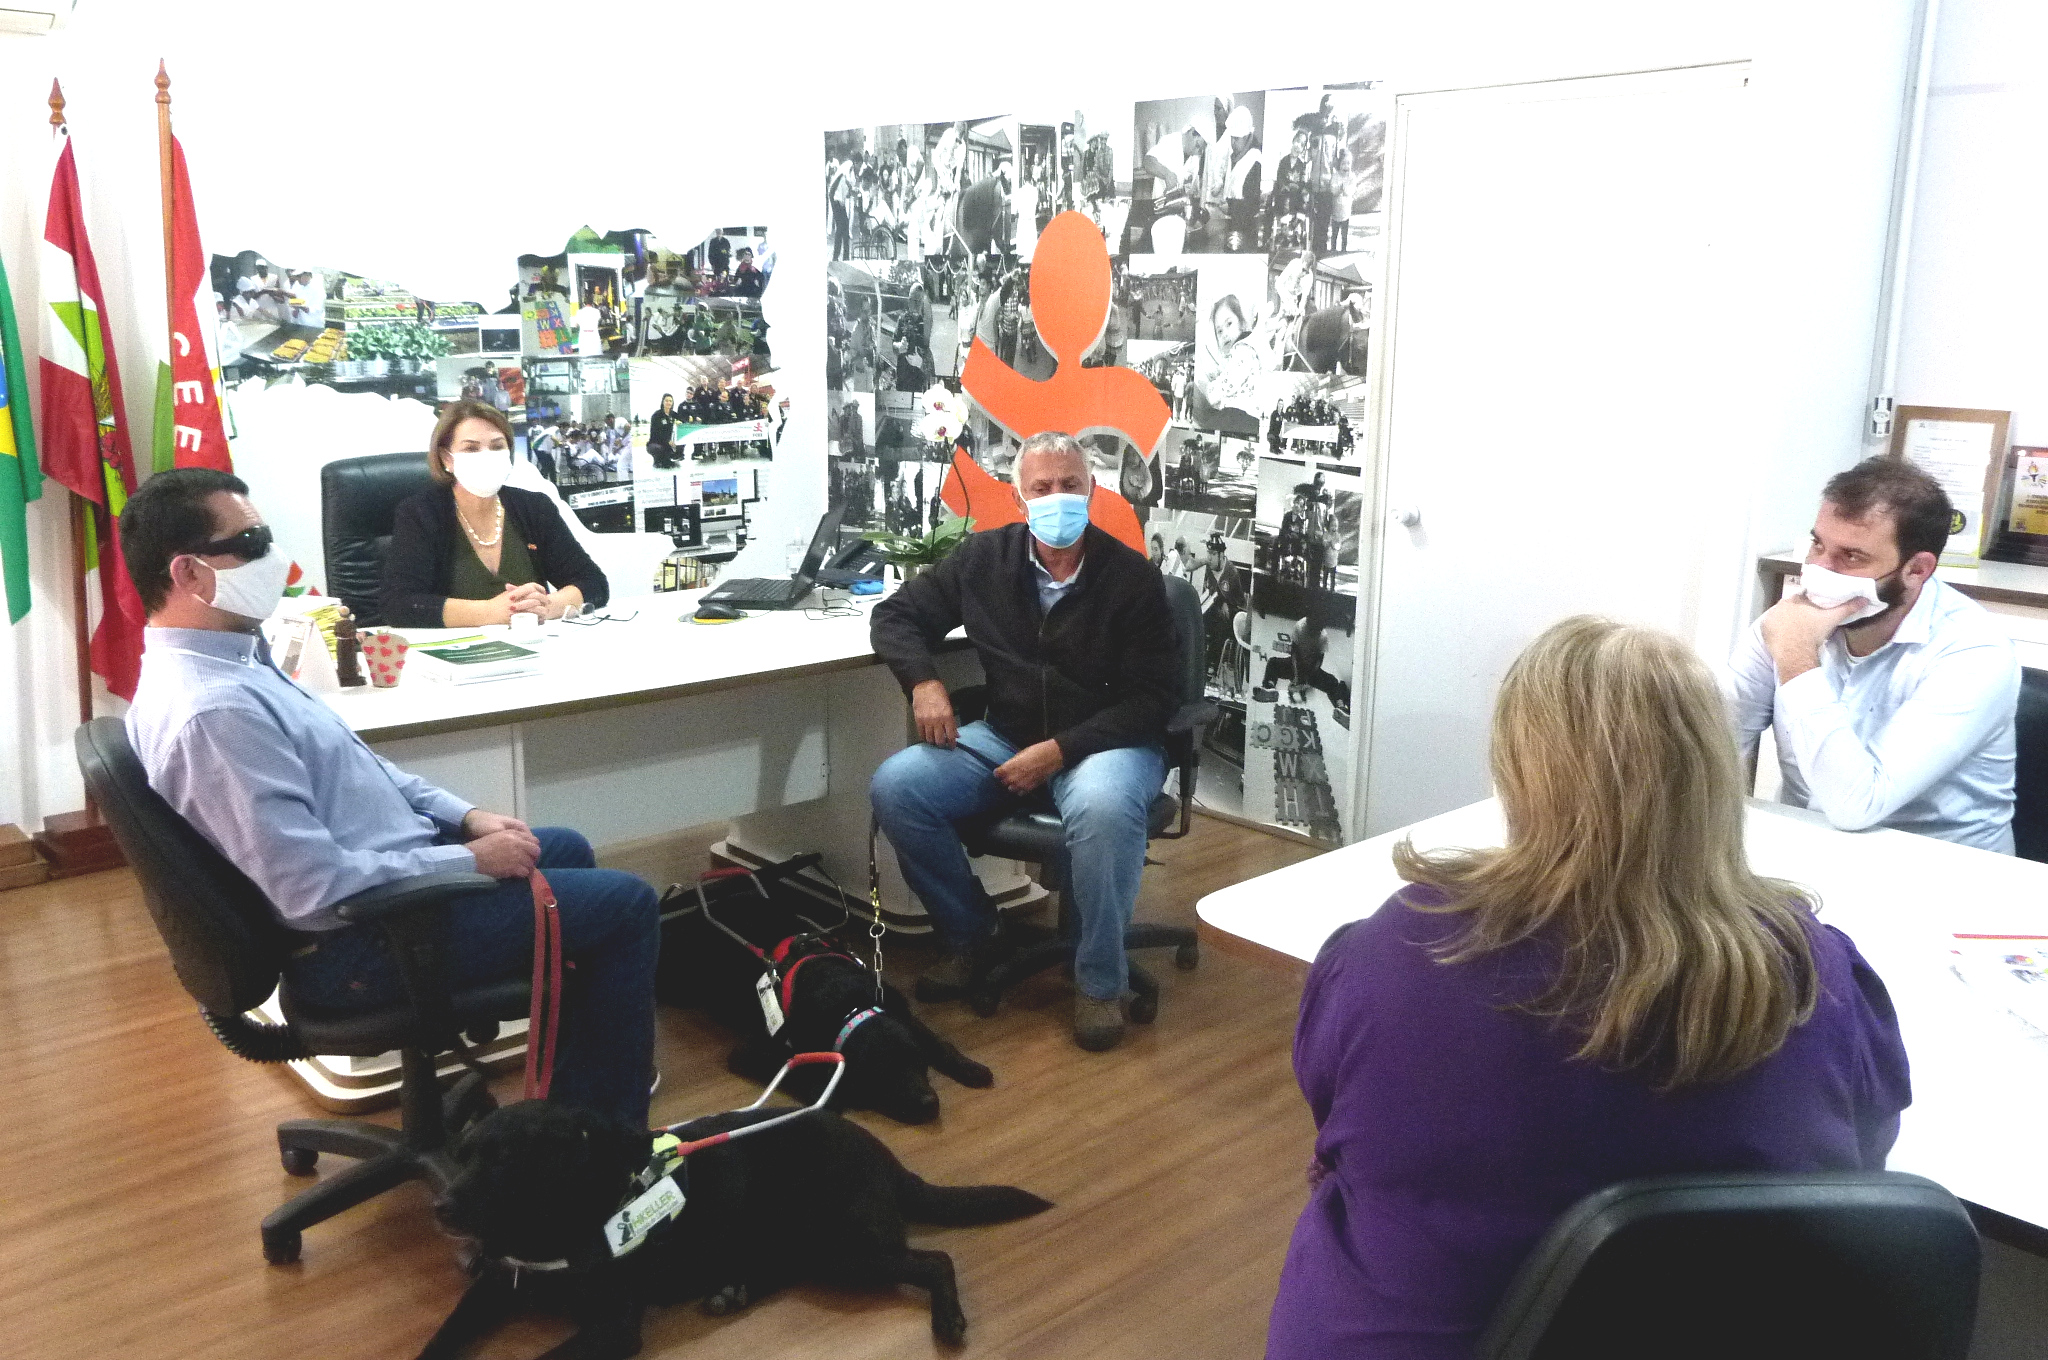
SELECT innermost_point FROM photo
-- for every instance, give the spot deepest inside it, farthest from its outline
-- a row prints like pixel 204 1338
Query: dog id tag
pixel 771 1009
pixel 629 1227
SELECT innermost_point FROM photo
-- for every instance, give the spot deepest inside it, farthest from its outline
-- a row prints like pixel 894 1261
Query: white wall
pixel 423 167
pixel 1977 279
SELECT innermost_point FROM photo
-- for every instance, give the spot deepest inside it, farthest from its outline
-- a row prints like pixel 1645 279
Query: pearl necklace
pixel 490 542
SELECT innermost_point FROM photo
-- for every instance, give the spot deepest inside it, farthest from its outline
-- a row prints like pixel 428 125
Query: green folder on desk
pixel 476 653
pixel 469 662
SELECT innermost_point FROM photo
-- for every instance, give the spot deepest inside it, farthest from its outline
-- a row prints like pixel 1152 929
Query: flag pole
pixel 81 626
pixel 163 158
pixel 77 842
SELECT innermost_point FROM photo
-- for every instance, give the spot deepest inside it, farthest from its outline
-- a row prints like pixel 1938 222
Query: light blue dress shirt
pixel 277 781
pixel 1050 592
pixel 1917 736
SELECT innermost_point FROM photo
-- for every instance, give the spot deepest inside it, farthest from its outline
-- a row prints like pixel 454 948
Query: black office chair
pixel 1801 1266
pixel 1035 834
pixel 358 498
pixel 2030 773
pixel 229 953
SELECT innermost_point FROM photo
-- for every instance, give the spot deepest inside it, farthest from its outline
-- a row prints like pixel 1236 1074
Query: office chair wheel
pixel 280 1248
pixel 984 1001
pixel 298 1161
pixel 1186 956
pixel 1144 1008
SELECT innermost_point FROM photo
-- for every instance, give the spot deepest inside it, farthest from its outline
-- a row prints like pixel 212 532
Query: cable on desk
pixel 840 606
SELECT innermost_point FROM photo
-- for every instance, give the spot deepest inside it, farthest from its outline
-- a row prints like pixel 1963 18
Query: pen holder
pixel 384 656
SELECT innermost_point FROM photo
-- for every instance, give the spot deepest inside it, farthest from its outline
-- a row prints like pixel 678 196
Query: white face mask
pixel 481 471
pixel 1827 589
pixel 252 589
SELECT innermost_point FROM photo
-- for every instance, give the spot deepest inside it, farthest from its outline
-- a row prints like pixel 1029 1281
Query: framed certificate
pixel 2021 534
pixel 2028 513
pixel 1965 451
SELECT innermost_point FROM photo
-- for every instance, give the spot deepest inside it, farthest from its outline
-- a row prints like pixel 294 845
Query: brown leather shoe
pixel 944 980
pixel 955 975
pixel 1098 1025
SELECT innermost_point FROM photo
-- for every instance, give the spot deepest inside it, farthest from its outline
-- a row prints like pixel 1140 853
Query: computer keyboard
pixel 760 588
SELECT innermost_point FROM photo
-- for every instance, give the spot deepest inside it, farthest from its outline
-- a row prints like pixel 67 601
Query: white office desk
pixel 654 655
pixel 1980 1076
pixel 636 728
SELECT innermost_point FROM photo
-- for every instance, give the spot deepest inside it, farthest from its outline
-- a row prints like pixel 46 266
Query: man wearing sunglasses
pixel 291 796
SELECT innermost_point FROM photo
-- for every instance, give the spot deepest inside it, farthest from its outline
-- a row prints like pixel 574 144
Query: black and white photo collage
pixel 1244 236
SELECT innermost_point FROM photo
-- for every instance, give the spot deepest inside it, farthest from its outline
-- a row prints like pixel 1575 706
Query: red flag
pixel 85 433
pixel 199 437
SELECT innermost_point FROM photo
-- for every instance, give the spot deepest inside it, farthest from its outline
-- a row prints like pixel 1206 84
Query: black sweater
pixel 424 530
pixel 1093 674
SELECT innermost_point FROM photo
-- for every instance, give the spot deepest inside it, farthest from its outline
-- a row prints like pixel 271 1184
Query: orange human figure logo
pixel 1070 297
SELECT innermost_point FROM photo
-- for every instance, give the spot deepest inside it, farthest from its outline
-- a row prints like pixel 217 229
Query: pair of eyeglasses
pixel 248 545
pixel 582 614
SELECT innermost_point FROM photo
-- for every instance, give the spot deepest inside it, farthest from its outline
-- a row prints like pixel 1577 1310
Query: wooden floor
pixel 140 1157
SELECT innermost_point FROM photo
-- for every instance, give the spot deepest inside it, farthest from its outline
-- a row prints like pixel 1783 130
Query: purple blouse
pixel 1451 1131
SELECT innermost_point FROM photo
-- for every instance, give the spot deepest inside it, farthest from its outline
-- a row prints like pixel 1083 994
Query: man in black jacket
pixel 1077 645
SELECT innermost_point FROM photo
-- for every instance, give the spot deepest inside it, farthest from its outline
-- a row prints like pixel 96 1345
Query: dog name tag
pixel 629 1227
pixel 771 1009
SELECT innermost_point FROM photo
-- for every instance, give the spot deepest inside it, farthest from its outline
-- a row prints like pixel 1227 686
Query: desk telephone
pixel 852 562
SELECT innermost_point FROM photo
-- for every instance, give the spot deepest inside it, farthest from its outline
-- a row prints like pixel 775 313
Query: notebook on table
pixel 468 663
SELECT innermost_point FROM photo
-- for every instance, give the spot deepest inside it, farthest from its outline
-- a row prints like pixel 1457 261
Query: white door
pixel 1554 434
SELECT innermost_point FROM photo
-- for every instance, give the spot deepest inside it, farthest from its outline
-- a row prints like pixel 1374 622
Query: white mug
pixel 522 619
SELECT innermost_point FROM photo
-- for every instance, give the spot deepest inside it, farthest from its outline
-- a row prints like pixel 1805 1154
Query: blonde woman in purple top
pixel 1612 995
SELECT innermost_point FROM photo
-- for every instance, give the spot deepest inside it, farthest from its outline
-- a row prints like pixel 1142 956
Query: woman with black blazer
pixel 472 550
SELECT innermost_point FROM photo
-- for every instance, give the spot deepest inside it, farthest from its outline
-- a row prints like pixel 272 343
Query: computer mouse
pixel 716 613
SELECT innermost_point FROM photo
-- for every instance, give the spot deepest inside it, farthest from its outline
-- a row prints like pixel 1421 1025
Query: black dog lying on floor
pixel 819 988
pixel 818 1199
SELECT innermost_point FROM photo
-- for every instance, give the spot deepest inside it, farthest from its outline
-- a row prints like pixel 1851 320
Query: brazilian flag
pixel 21 481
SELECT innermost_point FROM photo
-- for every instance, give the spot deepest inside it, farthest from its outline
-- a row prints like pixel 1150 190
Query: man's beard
pixel 1891 593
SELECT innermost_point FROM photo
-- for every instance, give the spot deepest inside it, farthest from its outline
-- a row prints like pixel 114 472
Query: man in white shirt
pixel 1901 719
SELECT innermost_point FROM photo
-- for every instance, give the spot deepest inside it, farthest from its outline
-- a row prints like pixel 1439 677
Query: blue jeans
pixel 922 791
pixel 610 932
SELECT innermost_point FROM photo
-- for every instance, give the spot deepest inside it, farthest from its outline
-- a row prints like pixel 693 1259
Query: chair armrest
pixel 970 703
pixel 407 912
pixel 404 895
pixel 1183 737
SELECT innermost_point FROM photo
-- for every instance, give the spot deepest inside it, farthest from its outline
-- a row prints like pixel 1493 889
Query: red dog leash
pixel 544 1011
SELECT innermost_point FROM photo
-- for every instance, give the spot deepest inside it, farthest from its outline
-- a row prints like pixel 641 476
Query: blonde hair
pixel 1618 779
pixel 452 415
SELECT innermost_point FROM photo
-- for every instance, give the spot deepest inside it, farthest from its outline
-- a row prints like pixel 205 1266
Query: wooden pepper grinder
pixel 348 651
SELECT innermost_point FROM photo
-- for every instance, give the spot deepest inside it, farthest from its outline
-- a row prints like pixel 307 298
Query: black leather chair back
pixel 1189 639
pixel 225 944
pixel 1876 1265
pixel 2030 777
pixel 358 498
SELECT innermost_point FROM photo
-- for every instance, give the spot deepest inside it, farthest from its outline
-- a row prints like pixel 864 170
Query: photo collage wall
pixel 1244 236
pixel 636 378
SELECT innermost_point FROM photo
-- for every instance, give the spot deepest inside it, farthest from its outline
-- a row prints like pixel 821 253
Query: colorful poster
pixel 563 360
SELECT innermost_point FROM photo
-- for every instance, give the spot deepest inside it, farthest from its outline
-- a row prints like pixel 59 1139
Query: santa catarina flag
pixel 21 481
pixel 85 433
pixel 189 428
